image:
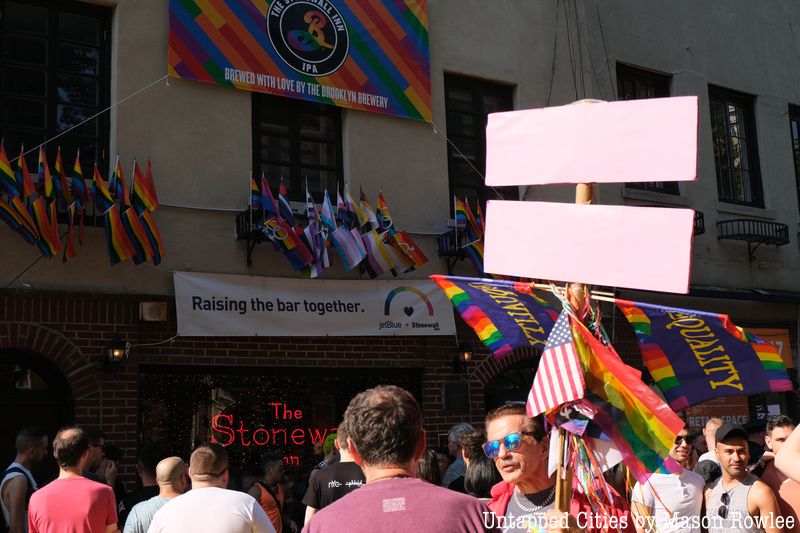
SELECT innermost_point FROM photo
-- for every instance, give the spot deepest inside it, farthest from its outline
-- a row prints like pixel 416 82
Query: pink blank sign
pixel 629 141
pixel 618 246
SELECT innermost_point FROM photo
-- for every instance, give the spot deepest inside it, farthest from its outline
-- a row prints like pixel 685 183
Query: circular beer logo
pixel 311 37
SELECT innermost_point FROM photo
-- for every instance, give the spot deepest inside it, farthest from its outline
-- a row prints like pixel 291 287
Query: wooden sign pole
pixel 578 298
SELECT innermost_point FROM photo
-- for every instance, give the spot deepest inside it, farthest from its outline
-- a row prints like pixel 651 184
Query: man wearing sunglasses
pixel 670 503
pixel 738 501
pixel 525 499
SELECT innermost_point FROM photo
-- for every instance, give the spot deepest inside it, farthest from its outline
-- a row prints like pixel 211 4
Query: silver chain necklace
pixel 547 501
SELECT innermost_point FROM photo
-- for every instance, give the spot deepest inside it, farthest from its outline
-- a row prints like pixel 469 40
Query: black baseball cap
pixel 729 430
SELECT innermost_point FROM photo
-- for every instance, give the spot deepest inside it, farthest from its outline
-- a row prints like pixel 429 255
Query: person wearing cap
pixel 738 501
pixel 670 502
pixel 458 467
pixel 210 506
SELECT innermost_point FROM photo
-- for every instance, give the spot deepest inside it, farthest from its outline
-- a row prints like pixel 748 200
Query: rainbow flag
pixel 45 178
pixel 47 242
pixel 78 188
pixel 69 242
pixel 144 196
pixel 10 216
pixel 7 176
pixel 61 182
pixel 474 251
pixel 695 356
pixel 283 235
pixel 505 315
pixel 117 185
pixel 479 219
pixel 25 217
pixel 54 226
pixel 472 222
pixel 268 202
pixel 102 196
pixel 639 423
pixel 463 220
pixel 137 237
pixel 27 182
pixel 153 236
pixel 119 246
pixel 398 254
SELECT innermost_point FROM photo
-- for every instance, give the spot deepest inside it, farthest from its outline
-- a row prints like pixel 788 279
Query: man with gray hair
pixel 387 440
pixel 210 506
pixel 172 481
pixel 458 467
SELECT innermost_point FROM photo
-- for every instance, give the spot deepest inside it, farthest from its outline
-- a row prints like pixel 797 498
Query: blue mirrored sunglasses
pixel 512 442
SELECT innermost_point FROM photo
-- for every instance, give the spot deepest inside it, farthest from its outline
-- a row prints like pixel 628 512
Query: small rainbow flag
pixel 61 182
pixel 10 216
pixel 119 246
pixel 153 236
pixel 503 317
pixel 48 243
pixel 102 196
pixel 27 182
pixel 639 423
pixel 137 236
pixel 44 174
pixel 117 185
pixel 7 176
pixel 283 235
pixel 78 188
pixel 144 196
pixel 383 214
pixel 69 243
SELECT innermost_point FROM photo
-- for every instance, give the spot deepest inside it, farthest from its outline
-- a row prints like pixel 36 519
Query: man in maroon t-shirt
pixel 386 440
pixel 72 502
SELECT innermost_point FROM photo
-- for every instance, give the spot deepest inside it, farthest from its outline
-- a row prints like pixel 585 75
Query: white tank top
pixel 12 475
pixel 737 518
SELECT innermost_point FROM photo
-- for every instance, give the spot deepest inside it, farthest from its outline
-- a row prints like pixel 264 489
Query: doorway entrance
pixel 33 392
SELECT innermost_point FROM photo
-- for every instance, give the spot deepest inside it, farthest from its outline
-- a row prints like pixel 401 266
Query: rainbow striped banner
pixel 370 56
pixel 505 315
pixel 695 356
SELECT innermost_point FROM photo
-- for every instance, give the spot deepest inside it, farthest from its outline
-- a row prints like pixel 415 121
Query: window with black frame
pixel 298 141
pixel 794 128
pixel 55 75
pixel 735 154
pixel 637 84
pixel 468 102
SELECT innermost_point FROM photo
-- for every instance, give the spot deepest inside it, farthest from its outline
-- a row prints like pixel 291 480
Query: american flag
pixel 559 378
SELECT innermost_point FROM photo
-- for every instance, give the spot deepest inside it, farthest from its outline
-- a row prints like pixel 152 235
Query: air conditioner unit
pixel 153 311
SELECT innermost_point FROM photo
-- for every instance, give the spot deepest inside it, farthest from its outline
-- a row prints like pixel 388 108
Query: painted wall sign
pixel 371 56
pixel 210 305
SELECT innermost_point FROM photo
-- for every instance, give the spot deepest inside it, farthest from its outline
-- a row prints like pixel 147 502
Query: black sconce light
pixel 115 353
pixel 461 358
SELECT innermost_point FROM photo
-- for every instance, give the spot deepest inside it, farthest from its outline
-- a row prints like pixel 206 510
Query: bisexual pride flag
pixel 695 356
pixel 504 314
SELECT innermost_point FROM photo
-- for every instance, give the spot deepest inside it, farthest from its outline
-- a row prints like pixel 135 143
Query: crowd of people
pixel 377 475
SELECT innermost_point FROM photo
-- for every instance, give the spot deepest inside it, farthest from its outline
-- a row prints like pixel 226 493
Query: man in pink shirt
pixel 72 503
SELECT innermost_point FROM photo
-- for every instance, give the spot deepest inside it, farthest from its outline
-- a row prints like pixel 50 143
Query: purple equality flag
pixel 504 314
pixel 695 356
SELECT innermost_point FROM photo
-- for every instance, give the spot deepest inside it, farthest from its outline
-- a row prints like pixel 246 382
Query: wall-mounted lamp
pixel 115 353
pixel 462 357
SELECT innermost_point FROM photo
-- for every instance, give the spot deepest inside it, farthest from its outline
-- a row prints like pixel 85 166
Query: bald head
pixel 169 470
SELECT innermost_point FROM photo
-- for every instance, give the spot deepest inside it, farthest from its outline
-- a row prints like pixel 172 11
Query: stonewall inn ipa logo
pixel 310 36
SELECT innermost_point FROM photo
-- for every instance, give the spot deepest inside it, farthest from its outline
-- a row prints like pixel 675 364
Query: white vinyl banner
pixel 219 305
